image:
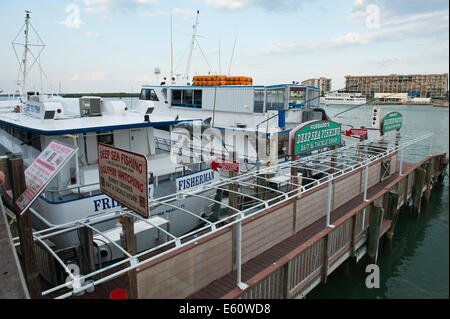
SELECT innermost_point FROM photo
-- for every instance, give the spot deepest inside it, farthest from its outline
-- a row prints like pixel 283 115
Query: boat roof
pixel 238 86
pixel 106 122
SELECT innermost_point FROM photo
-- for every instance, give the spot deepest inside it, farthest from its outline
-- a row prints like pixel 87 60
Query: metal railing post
pixel 365 196
pixel 330 184
pixel 366 181
pixel 401 164
pixel 238 251
pixel 240 284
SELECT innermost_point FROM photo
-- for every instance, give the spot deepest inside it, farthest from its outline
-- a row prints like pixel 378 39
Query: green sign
pixel 392 121
pixel 314 135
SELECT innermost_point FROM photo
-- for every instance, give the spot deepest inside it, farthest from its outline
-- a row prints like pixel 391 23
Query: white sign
pixel 124 177
pixel 196 179
pixel 39 174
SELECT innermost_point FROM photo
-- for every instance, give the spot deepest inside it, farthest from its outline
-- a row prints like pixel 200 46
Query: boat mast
pixel 232 53
pixel 24 60
pixel 171 52
pixel 192 45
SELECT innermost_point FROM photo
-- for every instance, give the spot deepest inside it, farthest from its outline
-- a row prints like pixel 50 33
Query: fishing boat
pixel 252 120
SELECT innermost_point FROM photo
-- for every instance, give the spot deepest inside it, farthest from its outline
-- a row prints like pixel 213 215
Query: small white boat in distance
pixel 340 98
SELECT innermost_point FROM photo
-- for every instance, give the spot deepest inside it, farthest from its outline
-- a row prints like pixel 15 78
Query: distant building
pixel 424 86
pixel 322 83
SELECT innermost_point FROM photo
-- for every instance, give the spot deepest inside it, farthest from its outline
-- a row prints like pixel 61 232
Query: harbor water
pixel 417 265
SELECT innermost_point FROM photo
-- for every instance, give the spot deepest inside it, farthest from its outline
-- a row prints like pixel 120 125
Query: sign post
pixel 43 169
pixel 314 135
pixel 124 177
pixel 391 121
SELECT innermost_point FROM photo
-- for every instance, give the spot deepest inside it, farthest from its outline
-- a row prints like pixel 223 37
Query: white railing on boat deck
pixel 347 160
pixel 184 169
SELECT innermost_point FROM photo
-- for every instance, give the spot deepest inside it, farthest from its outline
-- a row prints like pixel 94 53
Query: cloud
pixel 388 61
pixel 94 76
pixel 91 34
pixel 97 6
pixel 413 31
pixel 269 5
pixel 175 11
pixel 443 14
pixel 391 9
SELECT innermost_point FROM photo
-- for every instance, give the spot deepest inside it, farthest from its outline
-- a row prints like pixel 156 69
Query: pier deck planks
pixel 221 286
pixel 12 282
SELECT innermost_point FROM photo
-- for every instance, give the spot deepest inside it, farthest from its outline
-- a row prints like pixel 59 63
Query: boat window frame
pixel 151 96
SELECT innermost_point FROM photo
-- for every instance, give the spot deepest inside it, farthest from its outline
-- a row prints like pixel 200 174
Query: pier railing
pixel 295 274
pixel 169 269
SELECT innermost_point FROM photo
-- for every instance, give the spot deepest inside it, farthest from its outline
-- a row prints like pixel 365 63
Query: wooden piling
pixel 419 179
pixel 392 212
pixel 129 243
pixel 443 162
pixel 428 179
pixel 376 219
pixel 28 254
pixel 87 250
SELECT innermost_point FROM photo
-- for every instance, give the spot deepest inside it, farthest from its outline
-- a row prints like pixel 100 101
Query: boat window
pixel 258 101
pixel 105 138
pixel 198 98
pixel 296 96
pixel 275 99
pixel 176 97
pixel 187 98
pixel 148 95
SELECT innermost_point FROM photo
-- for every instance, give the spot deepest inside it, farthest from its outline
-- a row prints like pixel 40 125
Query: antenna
pixel 232 53
pixel 171 52
pixel 192 45
pixel 220 72
pixel 23 62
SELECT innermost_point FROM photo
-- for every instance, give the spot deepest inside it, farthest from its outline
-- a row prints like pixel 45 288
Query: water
pixel 417 266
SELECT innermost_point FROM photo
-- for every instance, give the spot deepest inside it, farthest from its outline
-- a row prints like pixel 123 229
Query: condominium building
pixel 421 85
pixel 322 83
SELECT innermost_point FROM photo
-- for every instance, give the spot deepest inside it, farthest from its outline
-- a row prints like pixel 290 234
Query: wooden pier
pixel 285 249
pixel 12 282
pixel 280 259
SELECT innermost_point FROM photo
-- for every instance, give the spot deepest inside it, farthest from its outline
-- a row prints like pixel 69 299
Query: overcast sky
pixel 115 45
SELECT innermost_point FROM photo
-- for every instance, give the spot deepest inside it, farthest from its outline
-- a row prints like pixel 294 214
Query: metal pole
pixel 365 182
pixel 238 251
pixel 401 163
pixel 27 24
pixel 330 184
pixel 365 195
